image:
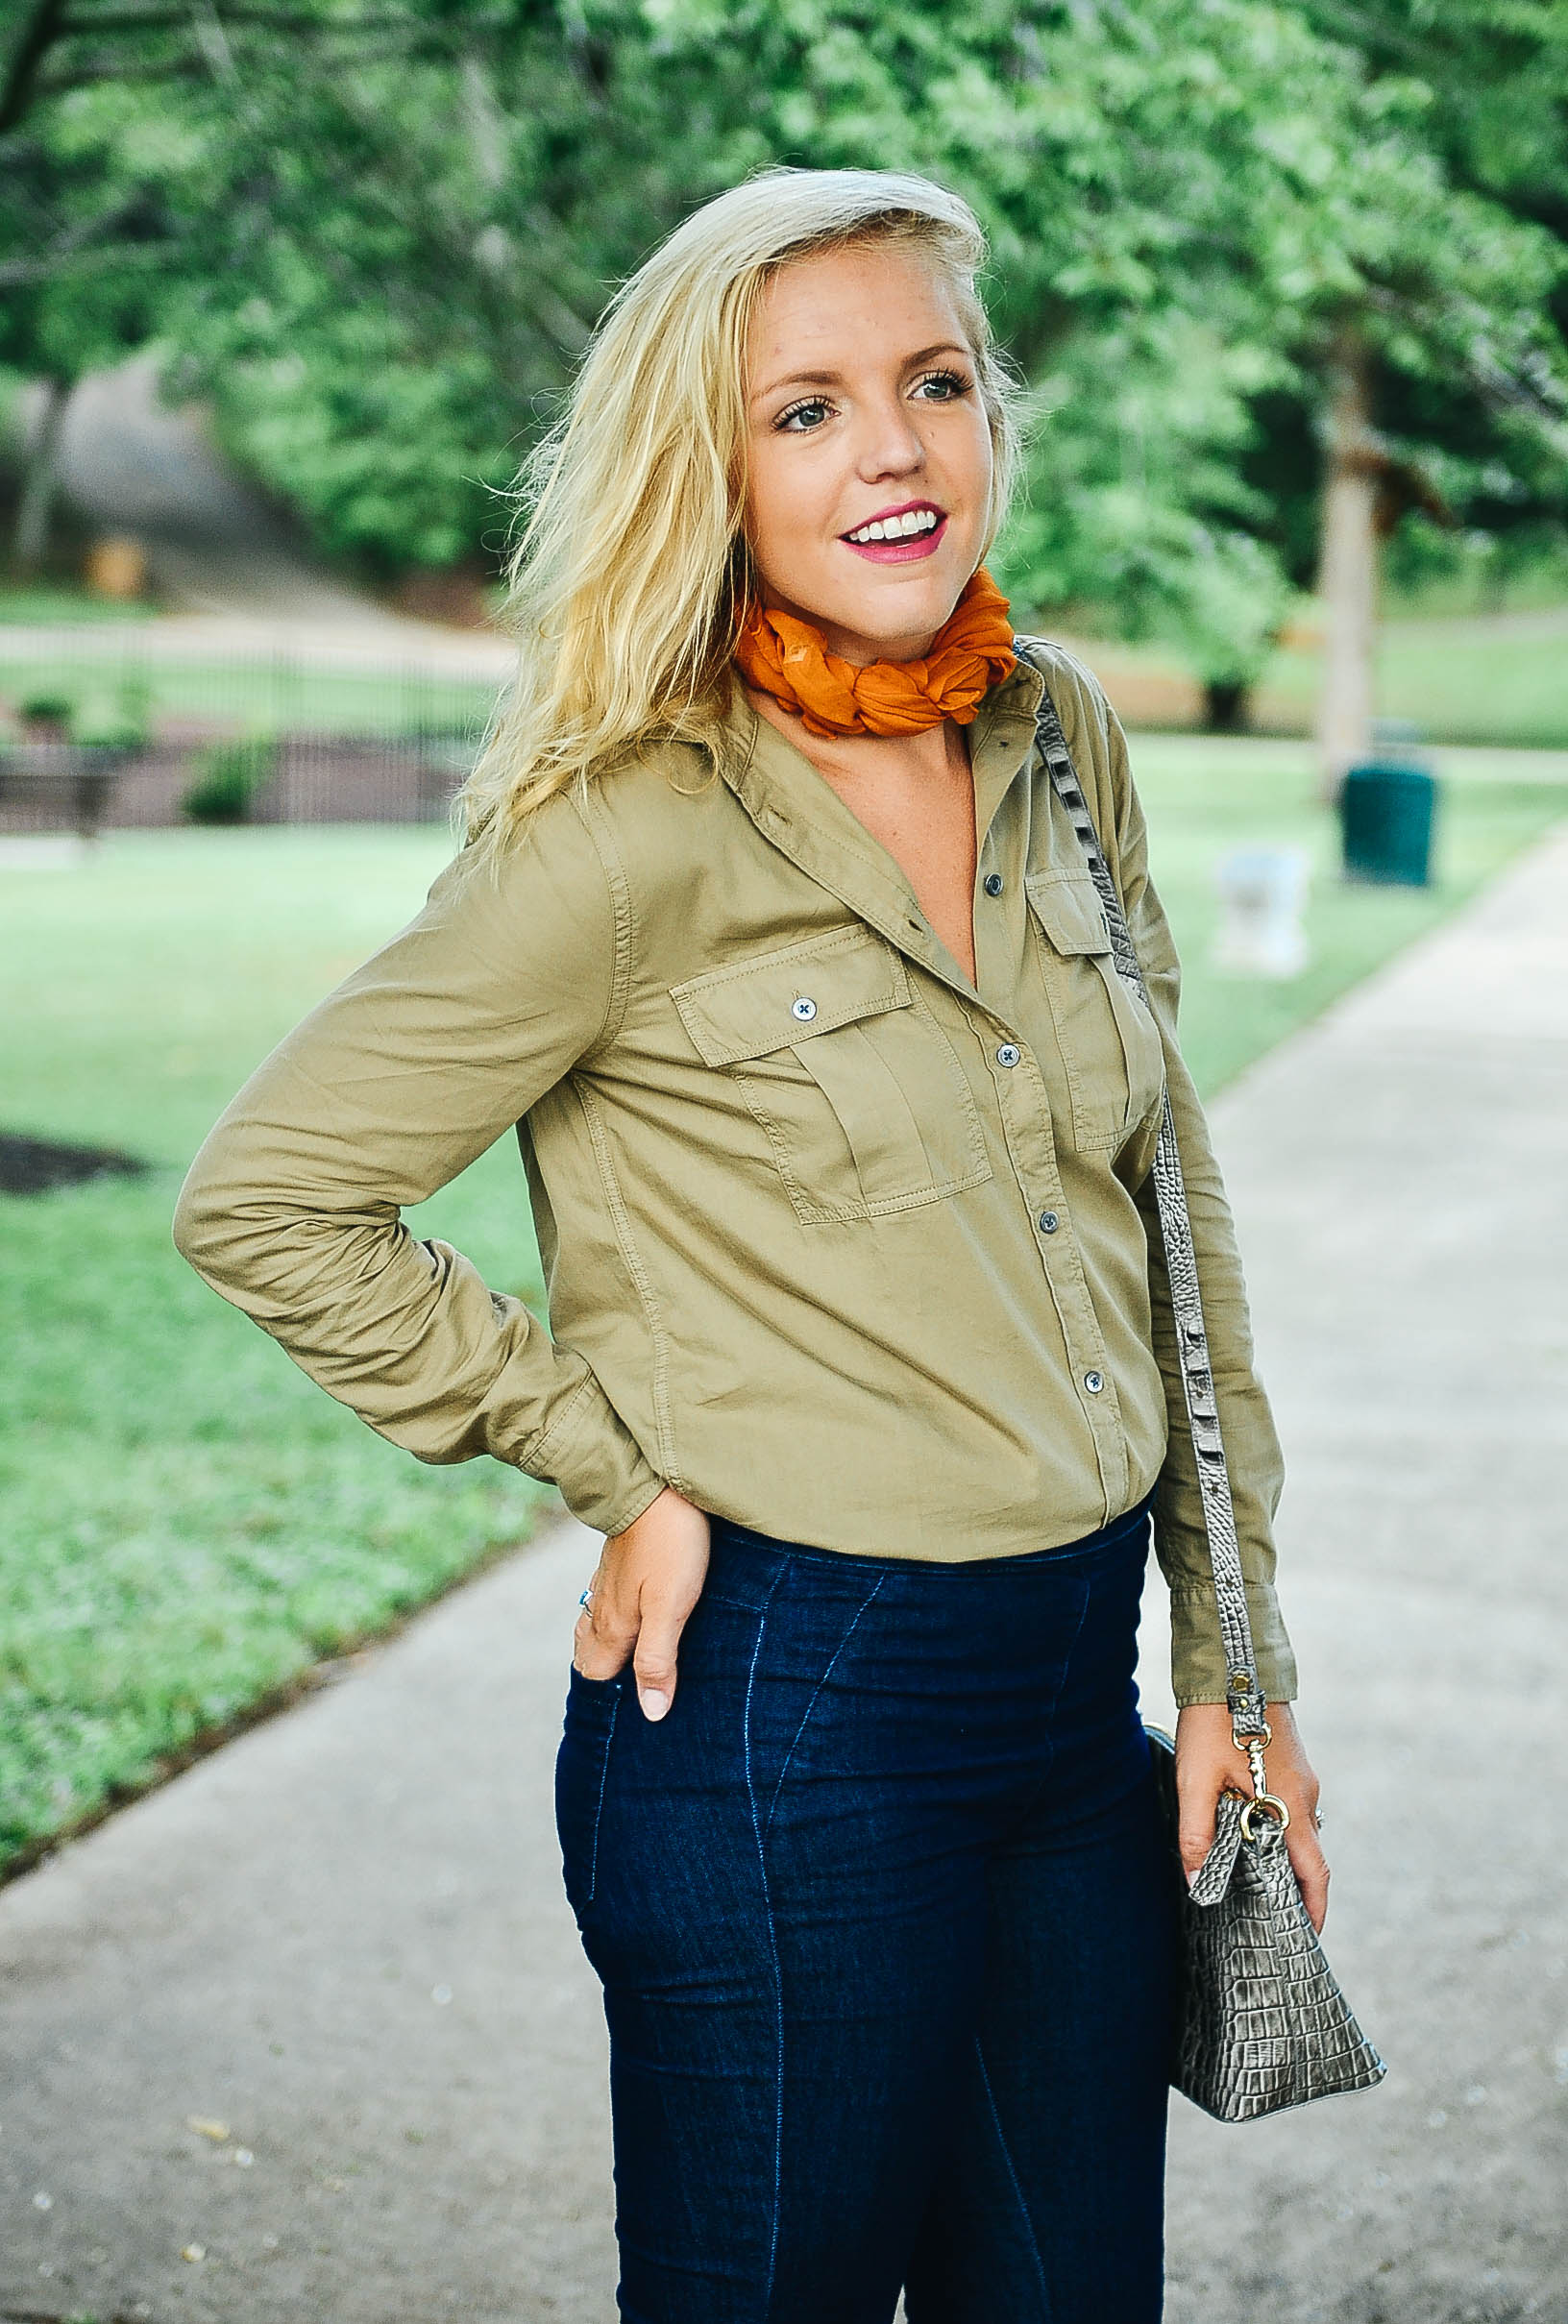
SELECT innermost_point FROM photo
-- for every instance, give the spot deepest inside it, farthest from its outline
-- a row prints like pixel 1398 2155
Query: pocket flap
pixel 1067 906
pixel 775 999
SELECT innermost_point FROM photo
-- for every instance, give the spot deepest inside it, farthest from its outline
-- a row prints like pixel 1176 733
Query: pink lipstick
pixel 899 536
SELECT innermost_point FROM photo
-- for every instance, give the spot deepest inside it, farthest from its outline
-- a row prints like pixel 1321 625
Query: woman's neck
pixel 914 795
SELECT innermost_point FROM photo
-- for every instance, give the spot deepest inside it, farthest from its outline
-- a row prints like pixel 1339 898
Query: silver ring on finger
pixel 1317 1818
pixel 586 1601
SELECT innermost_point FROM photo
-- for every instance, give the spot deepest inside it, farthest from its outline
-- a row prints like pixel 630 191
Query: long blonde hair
pixel 631 574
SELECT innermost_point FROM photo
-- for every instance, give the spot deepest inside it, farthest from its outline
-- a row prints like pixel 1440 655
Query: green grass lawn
pixel 1205 799
pixel 1460 677
pixel 263 694
pixel 1465 678
pixel 1476 677
pixel 43 603
pixel 189 1523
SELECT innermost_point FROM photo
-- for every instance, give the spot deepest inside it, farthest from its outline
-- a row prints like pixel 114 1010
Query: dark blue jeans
pixel 885 1921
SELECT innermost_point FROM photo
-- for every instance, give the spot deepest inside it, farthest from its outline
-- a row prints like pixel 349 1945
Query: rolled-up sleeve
pixel 1256 1469
pixel 411 1070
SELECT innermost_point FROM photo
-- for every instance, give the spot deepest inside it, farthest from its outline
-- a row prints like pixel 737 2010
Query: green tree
pixel 1430 434
pixel 1493 83
pixel 75 245
pixel 95 130
pixel 386 240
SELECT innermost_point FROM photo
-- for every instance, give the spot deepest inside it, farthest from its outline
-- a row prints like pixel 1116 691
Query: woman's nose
pixel 891 447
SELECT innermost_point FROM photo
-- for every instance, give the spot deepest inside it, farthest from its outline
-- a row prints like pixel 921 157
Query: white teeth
pixel 898 529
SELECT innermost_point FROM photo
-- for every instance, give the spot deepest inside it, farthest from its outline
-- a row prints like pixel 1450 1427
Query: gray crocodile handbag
pixel 1261 2024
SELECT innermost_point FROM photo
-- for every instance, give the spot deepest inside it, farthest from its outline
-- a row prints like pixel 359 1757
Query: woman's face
pixel 868 450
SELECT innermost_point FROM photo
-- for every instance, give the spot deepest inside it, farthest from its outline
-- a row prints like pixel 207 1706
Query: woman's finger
pixel 650 1578
pixel 1207 1764
pixel 606 1628
pixel 655 1658
pixel 667 1599
pixel 596 1654
pixel 1311 1867
pixel 1195 1829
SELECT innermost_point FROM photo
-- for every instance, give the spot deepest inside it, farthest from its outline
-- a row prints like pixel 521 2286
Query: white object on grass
pixel 45 851
pixel 1263 894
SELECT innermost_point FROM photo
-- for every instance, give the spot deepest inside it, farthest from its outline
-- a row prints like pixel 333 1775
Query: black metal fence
pixel 313 778
pixel 135 724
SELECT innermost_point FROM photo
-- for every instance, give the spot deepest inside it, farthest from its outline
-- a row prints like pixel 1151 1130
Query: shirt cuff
pixel 595 1462
pixel 1198 1668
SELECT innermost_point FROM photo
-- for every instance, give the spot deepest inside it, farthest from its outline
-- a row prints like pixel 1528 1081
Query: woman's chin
pixel 894 618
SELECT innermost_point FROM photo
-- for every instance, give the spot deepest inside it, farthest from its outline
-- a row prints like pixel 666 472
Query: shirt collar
pixel 802 814
pixel 999 740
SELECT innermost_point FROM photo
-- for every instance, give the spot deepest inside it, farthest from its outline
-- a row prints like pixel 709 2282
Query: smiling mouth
pixel 897 524
pixel 899 536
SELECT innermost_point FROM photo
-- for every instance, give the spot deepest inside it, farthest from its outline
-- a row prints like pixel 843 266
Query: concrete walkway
pixel 248 584
pixel 314 2015
pixel 129 462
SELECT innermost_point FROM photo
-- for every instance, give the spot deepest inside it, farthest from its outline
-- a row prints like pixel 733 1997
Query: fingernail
pixel 655 1705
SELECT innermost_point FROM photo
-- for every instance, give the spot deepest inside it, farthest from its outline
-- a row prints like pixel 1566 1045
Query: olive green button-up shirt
pixel 843 1246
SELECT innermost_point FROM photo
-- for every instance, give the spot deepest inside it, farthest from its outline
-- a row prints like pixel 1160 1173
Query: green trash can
pixel 1385 817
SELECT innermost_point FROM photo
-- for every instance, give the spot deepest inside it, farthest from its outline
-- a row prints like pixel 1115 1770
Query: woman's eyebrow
pixel 835 379
pixel 798 379
pixel 942 347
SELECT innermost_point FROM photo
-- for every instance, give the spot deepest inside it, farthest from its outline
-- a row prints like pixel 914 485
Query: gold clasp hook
pixel 1262 1798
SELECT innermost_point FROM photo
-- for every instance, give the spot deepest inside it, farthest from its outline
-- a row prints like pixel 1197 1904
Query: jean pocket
pixel 582 1767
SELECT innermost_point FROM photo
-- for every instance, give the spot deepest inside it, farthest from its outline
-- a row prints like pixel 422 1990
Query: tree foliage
pixel 378 232
pixel 1491 78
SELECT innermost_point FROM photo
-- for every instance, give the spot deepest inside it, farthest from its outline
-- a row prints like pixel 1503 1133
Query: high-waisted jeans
pixel 885 1920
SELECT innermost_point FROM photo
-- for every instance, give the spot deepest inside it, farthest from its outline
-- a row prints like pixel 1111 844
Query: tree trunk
pixel 1348 567
pixel 31 540
pixel 44 28
pixel 1227 704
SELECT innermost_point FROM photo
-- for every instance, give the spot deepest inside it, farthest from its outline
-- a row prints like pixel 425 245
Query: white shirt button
pixel 804 1008
pixel 1009 1054
pixel 1094 1382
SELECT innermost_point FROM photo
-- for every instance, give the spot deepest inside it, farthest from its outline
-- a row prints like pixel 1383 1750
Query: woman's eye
pixel 942 387
pixel 801 417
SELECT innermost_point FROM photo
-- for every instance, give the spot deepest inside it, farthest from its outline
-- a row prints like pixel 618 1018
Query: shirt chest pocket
pixel 857 1087
pixel 1110 1048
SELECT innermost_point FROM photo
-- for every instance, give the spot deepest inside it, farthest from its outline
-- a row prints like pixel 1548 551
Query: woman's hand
pixel 648 1581
pixel 1208 1763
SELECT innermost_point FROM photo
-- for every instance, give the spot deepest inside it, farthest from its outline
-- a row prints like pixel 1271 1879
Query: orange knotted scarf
pixel 781 655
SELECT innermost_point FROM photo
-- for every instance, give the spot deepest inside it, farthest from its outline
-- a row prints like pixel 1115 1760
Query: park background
pixel 288 287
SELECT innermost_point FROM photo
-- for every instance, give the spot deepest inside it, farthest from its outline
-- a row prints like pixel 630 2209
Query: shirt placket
pixel 1023 1109
pixel 885 902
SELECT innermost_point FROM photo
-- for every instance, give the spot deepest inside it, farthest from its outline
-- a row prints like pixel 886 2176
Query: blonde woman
pixel 771 941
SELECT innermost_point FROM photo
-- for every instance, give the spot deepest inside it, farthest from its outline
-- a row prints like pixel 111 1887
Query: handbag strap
pixel 1248 1709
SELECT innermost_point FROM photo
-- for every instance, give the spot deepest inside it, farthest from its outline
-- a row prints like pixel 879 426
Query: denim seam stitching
pixel 805 1719
pixel 1033 1801
pixel 599 1804
pixel 1013 2180
pixel 773 1946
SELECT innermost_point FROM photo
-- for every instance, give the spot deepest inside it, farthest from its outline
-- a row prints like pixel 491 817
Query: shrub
pixel 46 709
pixel 229 776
